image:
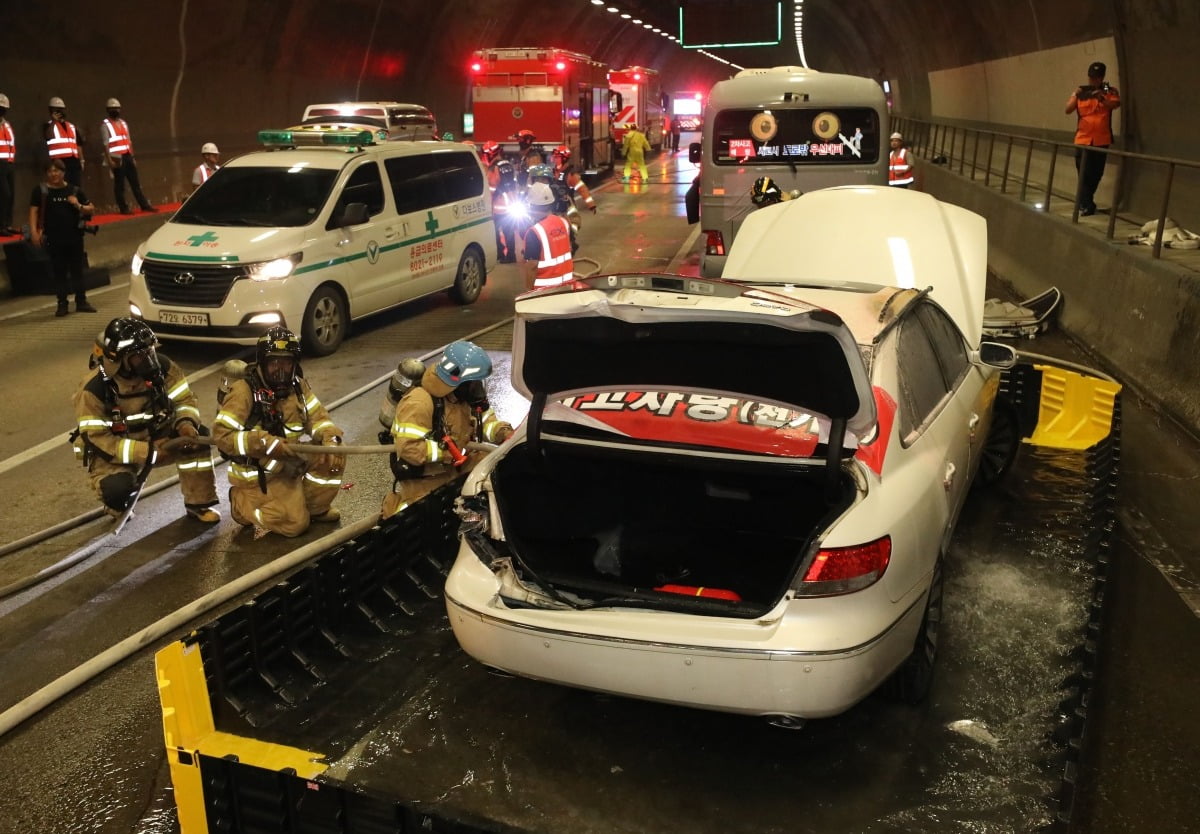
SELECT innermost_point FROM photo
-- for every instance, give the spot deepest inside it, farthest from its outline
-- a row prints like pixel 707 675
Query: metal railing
pixel 973 152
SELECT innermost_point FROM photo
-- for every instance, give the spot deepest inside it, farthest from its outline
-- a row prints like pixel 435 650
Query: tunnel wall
pixel 1140 317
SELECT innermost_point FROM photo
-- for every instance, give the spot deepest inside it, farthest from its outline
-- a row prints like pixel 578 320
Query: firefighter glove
pixel 330 462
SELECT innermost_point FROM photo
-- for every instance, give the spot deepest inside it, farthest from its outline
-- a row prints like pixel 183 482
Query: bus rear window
pixel 804 136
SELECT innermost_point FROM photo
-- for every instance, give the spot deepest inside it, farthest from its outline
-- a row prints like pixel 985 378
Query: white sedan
pixel 736 494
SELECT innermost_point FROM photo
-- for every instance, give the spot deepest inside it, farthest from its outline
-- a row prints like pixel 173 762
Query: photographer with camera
pixel 1093 104
pixel 59 214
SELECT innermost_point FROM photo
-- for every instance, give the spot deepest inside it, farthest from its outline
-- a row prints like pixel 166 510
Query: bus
pixel 803 128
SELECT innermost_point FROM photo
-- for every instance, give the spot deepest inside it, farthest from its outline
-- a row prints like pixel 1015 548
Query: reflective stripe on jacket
pixel 555 265
pixel 8 142
pixel 117 132
pixel 63 142
pixel 899 167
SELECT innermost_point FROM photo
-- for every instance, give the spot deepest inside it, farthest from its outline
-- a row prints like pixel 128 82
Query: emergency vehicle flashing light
pixel 338 137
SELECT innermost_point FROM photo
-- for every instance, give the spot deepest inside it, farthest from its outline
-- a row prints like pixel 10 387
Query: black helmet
pixel 765 192
pixel 506 171
pixel 278 343
pixel 130 344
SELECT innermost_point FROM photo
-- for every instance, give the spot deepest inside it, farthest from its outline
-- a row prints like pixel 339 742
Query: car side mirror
pixel 695 154
pixel 353 215
pixel 995 354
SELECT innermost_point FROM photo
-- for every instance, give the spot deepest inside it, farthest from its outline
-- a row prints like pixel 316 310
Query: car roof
pixel 660 332
pixel 870 236
pixel 337 157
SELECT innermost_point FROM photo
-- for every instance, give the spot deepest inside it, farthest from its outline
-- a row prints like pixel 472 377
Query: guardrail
pixel 973 153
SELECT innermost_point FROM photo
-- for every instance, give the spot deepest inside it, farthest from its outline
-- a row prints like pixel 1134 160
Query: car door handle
pixel 389 233
pixel 948 479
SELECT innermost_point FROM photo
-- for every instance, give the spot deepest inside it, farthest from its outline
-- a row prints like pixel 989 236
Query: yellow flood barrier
pixel 1075 411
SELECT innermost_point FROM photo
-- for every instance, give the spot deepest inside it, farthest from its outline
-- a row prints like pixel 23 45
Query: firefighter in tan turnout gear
pixel 128 406
pixel 273 488
pixel 435 419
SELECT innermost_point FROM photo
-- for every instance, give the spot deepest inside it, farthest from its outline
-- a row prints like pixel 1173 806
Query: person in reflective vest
pixel 900 168
pixel 434 422
pixel 119 150
pixel 8 160
pixel 502 180
pixel 210 166
pixel 133 402
pixel 274 489
pixel 64 142
pixel 567 174
pixel 633 147
pixel 549 244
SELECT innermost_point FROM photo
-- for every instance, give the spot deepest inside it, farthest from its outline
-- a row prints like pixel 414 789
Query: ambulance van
pixel 318 229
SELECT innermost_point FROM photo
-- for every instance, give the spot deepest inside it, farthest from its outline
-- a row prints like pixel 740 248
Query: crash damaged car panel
pixel 877 235
pixel 671 333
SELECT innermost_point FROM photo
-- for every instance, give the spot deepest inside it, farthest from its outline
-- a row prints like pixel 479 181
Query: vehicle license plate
pixel 186 319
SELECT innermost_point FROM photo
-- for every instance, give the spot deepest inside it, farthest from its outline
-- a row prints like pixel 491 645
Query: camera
pixel 88 228
pixel 1089 91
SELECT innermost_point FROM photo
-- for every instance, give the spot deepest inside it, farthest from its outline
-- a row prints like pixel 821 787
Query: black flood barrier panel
pixel 352 656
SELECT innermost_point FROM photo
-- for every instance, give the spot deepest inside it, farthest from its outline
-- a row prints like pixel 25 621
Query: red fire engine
pixel 562 97
pixel 635 97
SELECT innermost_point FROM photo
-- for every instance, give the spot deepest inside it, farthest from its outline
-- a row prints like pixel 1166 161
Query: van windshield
pixel 246 196
pixel 800 136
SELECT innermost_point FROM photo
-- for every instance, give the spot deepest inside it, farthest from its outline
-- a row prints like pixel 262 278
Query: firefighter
pixel 134 400
pixel 549 244
pixel 436 419
pixel 64 142
pixel 633 148
pixel 567 174
pixel 119 152
pixel 273 489
pixel 528 154
pixel 502 179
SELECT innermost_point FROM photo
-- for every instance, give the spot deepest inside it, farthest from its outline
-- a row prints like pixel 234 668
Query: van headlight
pixel 270 270
pixel 135 266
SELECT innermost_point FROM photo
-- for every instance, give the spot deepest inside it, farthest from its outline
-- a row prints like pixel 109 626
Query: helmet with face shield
pixel 278 356
pixel 129 345
pixel 765 192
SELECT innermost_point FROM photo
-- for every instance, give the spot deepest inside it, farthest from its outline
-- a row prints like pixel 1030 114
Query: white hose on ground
pixel 51 692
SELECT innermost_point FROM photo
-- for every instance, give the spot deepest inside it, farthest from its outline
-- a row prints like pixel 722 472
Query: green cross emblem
pixel 431 224
pixel 207 237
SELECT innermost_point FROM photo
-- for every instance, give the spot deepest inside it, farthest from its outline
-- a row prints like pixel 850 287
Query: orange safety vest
pixel 1095 121
pixel 555 265
pixel 64 142
pixel 8 142
pixel 204 172
pixel 119 142
pixel 899 167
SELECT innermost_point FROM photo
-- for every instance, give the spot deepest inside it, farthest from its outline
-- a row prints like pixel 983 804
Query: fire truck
pixel 635 97
pixel 562 97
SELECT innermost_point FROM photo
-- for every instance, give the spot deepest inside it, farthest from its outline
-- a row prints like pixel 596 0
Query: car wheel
pixel 1000 449
pixel 325 323
pixel 468 281
pixel 912 681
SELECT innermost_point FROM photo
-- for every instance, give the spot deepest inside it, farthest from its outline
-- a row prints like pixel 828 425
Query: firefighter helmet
pixel 562 151
pixel 539 196
pixel 525 138
pixel 4 101
pixel 506 171
pixel 57 103
pixel 766 192
pixel 541 170
pixel 463 362
pixel 489 152
pixel 130 344
pixel 209 147
pixel 277 344
pixel 112 104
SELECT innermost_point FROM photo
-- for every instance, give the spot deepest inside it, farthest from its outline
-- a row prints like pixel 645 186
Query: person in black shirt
pixel 58 216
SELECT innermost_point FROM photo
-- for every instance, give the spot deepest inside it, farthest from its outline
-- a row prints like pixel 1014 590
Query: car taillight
pixel 841 570
pixel 714 243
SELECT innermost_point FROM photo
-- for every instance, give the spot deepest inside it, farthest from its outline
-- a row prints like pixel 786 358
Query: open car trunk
pixel 661 530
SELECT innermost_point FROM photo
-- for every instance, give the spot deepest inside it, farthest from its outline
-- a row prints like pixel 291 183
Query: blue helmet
pixel 463 362
pixel 541 170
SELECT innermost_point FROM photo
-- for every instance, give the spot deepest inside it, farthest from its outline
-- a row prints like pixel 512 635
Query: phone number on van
pixel 425 257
